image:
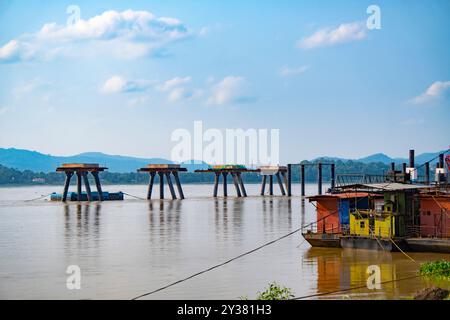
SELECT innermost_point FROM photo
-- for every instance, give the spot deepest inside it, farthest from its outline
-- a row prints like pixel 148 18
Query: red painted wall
pixel 434 217
pixel 325 207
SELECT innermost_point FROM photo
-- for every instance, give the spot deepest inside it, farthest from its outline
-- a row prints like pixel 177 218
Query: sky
pixel 126 74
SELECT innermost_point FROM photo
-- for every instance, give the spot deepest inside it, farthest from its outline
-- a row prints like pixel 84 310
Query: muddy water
pixel 130 247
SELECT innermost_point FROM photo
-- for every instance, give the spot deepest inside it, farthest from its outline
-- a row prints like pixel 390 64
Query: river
pixel 126 248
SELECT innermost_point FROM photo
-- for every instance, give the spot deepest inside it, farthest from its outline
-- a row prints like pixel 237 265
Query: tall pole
pixel 236 184
pixel 393 171
pixel 225 192
pixel 406 176
pixel 98 185
pixel 427 173
pixel 271 185
pixel 263 184
pixel 289 180
pixel 66 185
pixel 161 185
pixel 333 176
pixel 302 174
pixel 178 183
pixel 150 185
pixel 87 186
pixel 441 160
pixel 280 183
pixel 441 166
pixel 169 183
pixel 411 158
pixel 241 183
pixel 78 185
pixel 319 178
pixel 216 183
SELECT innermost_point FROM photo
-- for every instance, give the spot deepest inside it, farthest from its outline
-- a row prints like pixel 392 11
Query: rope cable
pixel 217 265
pixel 41 197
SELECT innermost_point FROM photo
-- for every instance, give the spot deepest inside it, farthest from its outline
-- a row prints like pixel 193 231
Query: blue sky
pixel 133 71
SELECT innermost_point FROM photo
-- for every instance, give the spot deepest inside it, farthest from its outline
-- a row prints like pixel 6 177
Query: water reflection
pixel 302 213
pixel 339 269
pixel 276 212
pixel 82 228
pixel 78 220
pixel 221 221
pixel 164 222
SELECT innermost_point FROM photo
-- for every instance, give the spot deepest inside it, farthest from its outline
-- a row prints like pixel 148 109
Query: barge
pixel 73 196
pixel 388 216
pixel 428 245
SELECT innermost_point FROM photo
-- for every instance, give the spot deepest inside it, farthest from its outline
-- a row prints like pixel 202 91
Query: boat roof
pixel 346 195
pixel 388 186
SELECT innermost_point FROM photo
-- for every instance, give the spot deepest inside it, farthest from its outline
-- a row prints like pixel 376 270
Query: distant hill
pixel 31 160
pixel 38 162
pixel 377 157
pixel 383 158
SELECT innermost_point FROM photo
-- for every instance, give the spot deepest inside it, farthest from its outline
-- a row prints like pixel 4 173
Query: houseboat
pixel 333 217
pixel 387 216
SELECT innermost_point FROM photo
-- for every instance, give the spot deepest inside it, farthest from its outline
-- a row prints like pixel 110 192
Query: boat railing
pixel 371 212
pixel 329 228
pixel 424 231
pixel 359 178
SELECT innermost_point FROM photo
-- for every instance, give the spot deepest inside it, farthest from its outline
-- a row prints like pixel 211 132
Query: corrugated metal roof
pixel 346 195
pixel 392 186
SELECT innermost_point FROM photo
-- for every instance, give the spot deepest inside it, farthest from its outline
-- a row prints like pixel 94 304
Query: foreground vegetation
pixel 274 292
pixel 437 269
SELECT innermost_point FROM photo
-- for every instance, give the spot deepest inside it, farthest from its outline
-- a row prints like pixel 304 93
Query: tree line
pixel 10 176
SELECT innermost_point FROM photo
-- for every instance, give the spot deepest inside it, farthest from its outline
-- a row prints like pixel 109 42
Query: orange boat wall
pixel 435 217
pixel 327 208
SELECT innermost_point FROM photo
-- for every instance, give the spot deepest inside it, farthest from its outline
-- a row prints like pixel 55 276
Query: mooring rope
pixel 402 250
pixel 217 265
pixel 140 198
pixel 230 260
pixel 41 197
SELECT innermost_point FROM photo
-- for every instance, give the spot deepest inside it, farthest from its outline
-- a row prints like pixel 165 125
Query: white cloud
pixel 117 84
pixel 179 94
pixel 177 89
pixel 286 71
pixel 10 51
pixel 230 89
pixel 346 32
pixel 436 90
pixel 174 82
pixel 126 34
pixel 139 101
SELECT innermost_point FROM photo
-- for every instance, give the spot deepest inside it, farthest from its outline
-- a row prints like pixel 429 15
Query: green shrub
pixel 275 292
pixel 436 269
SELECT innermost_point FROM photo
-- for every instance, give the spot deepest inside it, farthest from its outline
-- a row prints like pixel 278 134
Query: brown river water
pixel 130 247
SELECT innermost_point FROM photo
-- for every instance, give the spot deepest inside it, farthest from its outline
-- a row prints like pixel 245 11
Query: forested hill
pixel 10 176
